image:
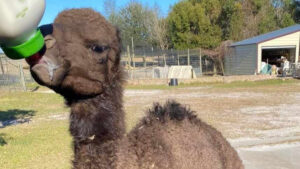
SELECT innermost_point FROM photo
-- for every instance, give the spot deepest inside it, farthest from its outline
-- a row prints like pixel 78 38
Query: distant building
pixel 246 57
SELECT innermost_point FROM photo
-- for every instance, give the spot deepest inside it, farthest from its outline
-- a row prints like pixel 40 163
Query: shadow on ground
pixel 15 116
pixel 2 140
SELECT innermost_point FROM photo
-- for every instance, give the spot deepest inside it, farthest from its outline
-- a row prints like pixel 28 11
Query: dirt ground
pixel 262 123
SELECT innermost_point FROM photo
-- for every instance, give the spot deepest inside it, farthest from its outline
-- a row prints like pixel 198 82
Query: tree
pixel 292 7
pixel 133 21
pixel 261 16
pixel 201 23
pixel 231 20
pixel 297 11
pixel 212 8
pixel 191 27
pixel 284 12
pixel 159 30
pixel 267 19
pixel 111 11
pixel 142 23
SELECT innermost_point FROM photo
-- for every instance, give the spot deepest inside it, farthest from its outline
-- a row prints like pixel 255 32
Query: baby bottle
pixel 19 36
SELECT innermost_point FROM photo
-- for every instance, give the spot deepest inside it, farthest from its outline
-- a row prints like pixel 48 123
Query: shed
pixel 246 57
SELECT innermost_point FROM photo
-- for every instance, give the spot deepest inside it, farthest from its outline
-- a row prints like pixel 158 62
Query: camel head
pixel 81 56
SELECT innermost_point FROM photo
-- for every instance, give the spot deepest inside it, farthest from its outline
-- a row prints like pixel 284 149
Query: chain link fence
pixel 145 63
pixel 295 70
pixel 141 63
pixel 13 74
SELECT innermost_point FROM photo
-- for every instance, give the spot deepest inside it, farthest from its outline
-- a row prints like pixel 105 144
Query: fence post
pixel 222 65
pixel 158 60
pixel 144 59
pixel 128 56
pixel 178 58
pixel 173 58
pixel 22 78
pixel 153 76
pixel 1 64
pixel 189 62
pixel 132 51
pixel 215 69
pixel 200 62
pixel 153 58
pixel 131 74
pixel 165 62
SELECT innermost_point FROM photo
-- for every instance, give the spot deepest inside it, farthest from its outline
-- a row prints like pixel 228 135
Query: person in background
pixel 285 65
pixel 274 70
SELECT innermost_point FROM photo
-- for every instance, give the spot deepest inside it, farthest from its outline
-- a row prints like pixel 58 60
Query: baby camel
pixel 81 61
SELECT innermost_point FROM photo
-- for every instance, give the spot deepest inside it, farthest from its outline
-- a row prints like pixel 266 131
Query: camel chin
pixel 41 75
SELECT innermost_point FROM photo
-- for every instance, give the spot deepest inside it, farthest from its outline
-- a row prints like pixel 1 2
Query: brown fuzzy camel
pixel 81 62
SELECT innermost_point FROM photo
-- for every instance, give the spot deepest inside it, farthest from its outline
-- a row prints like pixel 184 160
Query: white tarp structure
pixel 181 72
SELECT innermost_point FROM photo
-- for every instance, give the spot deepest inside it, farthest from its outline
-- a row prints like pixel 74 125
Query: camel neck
pixel 97 120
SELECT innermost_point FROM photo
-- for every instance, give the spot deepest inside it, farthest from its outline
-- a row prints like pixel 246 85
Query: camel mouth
pixel 44 71
pixel 37 57
pixel 34 59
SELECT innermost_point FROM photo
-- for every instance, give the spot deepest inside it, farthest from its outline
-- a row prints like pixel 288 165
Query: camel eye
pixel 99 49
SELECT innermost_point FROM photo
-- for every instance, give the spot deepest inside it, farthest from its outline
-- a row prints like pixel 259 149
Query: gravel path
pixel 263 123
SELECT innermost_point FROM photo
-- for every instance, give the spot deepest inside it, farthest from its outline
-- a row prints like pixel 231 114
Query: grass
pixel 149 87
pixel 237 84
pixel 29 104
pixel 251 84
pixel 42 143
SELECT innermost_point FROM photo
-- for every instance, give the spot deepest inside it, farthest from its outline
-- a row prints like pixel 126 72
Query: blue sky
pixel 53 7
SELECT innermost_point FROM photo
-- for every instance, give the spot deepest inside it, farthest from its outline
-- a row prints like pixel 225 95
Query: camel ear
pixel 49 41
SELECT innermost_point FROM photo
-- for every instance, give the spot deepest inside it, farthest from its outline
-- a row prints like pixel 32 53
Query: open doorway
pixel 273 59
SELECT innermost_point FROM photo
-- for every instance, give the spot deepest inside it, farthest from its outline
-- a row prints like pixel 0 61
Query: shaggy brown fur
pixel 82 63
